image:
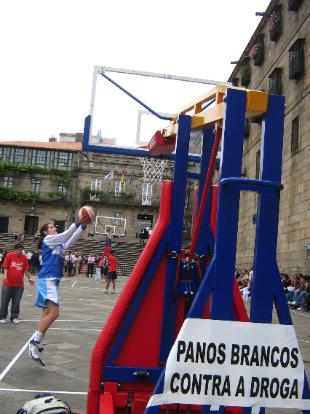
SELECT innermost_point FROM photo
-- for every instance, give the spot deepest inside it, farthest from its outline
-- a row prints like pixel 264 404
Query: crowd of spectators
pixel 296 288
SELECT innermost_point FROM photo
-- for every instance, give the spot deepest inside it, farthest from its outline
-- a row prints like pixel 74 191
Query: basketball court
pixel 84 310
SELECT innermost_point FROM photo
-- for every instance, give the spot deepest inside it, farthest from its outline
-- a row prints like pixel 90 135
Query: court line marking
pixel 62 320
pixel 75 329
pixel 9 366
pixel 43 391
pixel 300 314
pixel 73 284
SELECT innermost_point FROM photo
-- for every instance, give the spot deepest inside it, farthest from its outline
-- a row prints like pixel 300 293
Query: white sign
pixel 243 364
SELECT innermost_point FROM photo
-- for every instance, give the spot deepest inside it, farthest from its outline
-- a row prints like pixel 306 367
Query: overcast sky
pixel 49 49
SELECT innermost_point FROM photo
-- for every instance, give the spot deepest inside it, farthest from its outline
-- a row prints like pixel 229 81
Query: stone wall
pixel 294 223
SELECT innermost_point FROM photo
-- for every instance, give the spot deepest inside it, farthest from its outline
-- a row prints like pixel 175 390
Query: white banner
pixel 234 364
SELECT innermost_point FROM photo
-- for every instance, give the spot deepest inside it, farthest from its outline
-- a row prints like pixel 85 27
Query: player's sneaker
pixel 2 320
pixel 15 320
pixel 33 351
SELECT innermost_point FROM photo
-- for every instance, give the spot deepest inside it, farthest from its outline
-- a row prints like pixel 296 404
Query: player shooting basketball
pixel 53 246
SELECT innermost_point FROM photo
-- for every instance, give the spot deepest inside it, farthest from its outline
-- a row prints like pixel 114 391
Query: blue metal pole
pixel 265 268
pixel 228 205
pixel 86 146
pixel 167 118
pixel 176 230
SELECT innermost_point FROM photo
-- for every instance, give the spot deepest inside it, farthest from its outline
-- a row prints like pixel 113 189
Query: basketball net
pixel 152 169
pixel 152 174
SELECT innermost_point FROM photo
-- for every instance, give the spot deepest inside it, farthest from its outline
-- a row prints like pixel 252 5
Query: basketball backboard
pixel 116 226
pixel 132 108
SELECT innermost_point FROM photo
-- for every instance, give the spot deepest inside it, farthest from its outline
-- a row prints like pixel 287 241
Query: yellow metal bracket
pixel 256 103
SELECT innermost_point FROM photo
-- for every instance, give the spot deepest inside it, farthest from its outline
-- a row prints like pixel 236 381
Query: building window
pixel 117 221
pixel 119 187
pixel 1 153
pixel 275 23
pixel 235 81
pixel 96 184
pixel 5 153
pixel 147 190
pixel 275 81
pixel 258 51
pixel 295 135
pixel 245 72
pixel 297 60
pixel 8 182
pixel 35 185
pixel 61 188
pixel 62 159
pixel 247 127
pixel 257 165
pixel 18 155
pixel 258 119
pixel 293 5
pixel 39 158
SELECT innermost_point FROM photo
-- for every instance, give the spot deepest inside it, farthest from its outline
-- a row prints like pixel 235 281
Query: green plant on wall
pixel 19 167
pixel 56 176
pixel 19 196
pixel 61 177
pixel 106 196
pixel 57 196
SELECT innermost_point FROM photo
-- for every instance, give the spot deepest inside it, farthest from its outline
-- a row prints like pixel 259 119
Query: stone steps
pixel 127 253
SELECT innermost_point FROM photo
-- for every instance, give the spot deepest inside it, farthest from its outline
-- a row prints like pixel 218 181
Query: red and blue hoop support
pixel 128 360
pixel 218 282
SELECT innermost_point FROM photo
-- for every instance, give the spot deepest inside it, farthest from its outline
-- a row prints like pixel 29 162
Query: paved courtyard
pixel 84 310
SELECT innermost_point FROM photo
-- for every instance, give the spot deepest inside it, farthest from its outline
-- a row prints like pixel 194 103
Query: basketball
pixel 86 214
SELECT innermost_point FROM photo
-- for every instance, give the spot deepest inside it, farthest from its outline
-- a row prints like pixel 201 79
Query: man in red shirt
pixel 15 266
pixel 112 276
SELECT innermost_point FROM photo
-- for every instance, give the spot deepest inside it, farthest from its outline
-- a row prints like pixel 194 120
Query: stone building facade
pixel 48 181
pixel 277 60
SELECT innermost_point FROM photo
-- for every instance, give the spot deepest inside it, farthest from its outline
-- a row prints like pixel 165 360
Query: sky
pixel 49 49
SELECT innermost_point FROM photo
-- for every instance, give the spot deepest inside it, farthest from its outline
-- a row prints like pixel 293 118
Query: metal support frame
pixel 121 150
pixel 218 280
pixel 102 69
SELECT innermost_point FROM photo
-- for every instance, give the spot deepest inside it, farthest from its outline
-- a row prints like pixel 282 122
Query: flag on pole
pixel 123 178
pixel 109 176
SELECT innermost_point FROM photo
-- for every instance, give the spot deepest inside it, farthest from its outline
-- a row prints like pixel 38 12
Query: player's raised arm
pixel 76 235
pixel 53 240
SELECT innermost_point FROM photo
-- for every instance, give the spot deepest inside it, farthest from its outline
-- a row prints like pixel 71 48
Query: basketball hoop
pixel 152 169
pixel 152 174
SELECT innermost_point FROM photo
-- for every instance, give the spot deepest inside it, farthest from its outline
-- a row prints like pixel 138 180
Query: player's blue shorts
pixel 47 289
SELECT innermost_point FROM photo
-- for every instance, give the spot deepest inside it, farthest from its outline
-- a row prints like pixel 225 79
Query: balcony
pixel 258 54
pixel 258 51
pixel 245 75
pixel 18 196
pixel 275 23
pixel 275 82
pixel 297 60
pixel 123 198
pixel 293 5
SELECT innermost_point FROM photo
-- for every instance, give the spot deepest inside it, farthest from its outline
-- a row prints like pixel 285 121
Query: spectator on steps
pixel 91 265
